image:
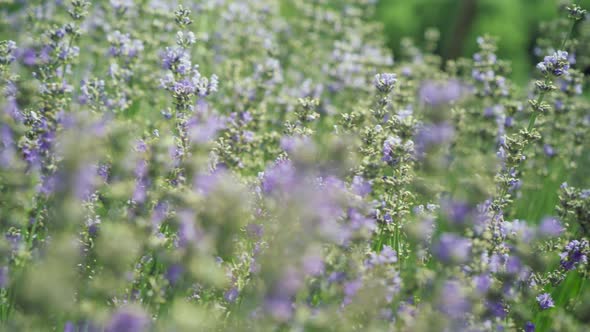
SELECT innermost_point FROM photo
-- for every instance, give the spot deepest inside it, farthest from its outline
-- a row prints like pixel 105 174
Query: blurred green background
pixel 514 22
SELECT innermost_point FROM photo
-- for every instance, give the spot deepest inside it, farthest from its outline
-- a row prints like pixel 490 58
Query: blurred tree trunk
pixel 467 13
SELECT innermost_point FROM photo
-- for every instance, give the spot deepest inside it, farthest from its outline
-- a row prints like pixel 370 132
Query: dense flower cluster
pixel 556 64
pixel 225 166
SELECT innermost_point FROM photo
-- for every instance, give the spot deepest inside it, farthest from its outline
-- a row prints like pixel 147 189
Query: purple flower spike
pixel 556 64
pixel 385 82
pixel 453 301
pixel 452 248
pixel 433 135
pixel 69 327
pixel 360 186
pixel 441 93
pixel 313 265
pixel 575 253
pixel 549 151
pixel 482 283
pixel 129 320
pixel 529 327
pixel 551 227
pixel 231 295
pixel 387 256
pixel 4 279
pixel 279 308
pixel 545 301
pixel 174 273
pixel 457 212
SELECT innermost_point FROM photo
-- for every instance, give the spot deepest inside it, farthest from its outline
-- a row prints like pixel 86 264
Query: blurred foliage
pixel 514 22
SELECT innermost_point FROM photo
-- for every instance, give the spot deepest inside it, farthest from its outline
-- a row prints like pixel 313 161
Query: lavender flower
pixel 549 151
pixel 4 278
pixel 313 265
pixel 386 256
pixel 123 45
pixel 433 135
pixel 69 53
pixel 457 212
pixel 185 39
pixel 204 130
pixel 121 4
pixel 385 82
pixel 360 186
pixel 7 49
pixel 177 60
pixel 496 309
pixel 350 290
pixel 482 283
pixel 556 64
pixel 280 176
pixel 69 327
pixel 550 227
pixel 280 309
pixel 129 320
pixel 529 327
pixel 452 300
pixel 7 146
pixel 174 273
pixel 85 181
pixel 231 295
pixel 434 93
pixel 452 248
pixel 575 253
pixel 255 231
pixel 388 150
pixel 545 301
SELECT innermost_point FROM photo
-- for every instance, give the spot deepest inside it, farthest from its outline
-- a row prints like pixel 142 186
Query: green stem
pixel 569 34
pixel 536 113
pixel 542 94
pixel 33 230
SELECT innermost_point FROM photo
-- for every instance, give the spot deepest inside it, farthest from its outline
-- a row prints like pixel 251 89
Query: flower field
pixel 225 165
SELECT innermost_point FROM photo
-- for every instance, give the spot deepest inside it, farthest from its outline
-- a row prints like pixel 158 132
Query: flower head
pixel 550 227
pixel 129 320
pixel 385 82
pixel 556 64
pixel 434 93
pixel 545 301
pixel 575 253
pixel 451 247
